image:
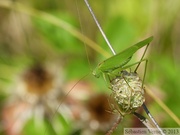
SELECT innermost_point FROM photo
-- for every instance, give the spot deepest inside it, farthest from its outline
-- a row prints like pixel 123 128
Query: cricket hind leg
pixel 144 106
pixel 121 68
pixel 139 62
pixel 142 57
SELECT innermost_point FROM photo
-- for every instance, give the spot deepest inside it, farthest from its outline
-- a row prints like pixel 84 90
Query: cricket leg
pixel 144 106
pixel 142 57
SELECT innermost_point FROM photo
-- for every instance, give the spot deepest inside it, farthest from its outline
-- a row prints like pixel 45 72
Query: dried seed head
pixel 128 93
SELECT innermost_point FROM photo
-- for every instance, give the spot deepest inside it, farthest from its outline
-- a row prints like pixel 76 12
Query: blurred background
pixel 40 62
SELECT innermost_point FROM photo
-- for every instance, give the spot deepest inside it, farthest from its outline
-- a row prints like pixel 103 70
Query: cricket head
pixel 96 72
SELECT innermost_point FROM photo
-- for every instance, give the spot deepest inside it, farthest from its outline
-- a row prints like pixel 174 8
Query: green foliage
pixel 59 39
pixel 26 40
pixel 120 33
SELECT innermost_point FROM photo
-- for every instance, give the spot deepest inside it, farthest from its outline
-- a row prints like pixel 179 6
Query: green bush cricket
pixel 114 71
pixel 119 60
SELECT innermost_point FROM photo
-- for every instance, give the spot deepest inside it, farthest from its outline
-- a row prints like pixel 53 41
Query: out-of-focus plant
pixel 26 40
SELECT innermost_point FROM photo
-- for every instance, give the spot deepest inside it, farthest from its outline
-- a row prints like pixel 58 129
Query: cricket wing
pixel 122 58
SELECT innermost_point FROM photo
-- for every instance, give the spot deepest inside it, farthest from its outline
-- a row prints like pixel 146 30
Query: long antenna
pixel 111 48
pixel 102 32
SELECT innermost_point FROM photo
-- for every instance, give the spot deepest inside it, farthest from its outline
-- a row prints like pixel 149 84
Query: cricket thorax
pixel 127 92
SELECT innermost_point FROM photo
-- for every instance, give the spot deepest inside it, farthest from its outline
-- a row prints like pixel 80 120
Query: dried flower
pixel 127 93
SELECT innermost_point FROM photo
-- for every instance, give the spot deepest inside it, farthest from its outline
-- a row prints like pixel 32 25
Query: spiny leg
pixel 145 64
pixel 142 57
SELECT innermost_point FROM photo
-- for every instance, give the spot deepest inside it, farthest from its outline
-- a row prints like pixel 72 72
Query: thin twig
pixel 145 121
pixel 99 26
pixel 153 120
pixel 114 126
